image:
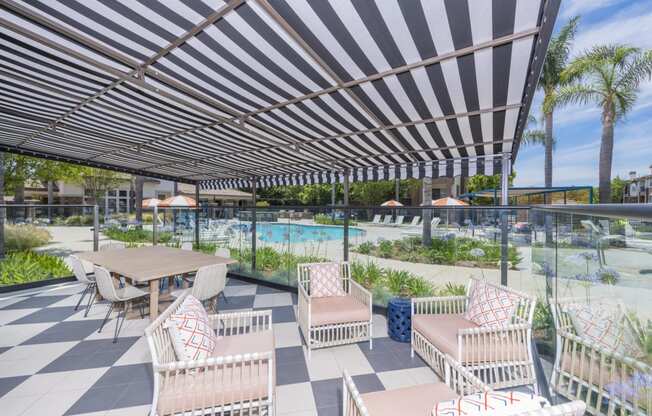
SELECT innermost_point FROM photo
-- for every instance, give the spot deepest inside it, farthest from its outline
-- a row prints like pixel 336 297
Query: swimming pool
pixel 299 233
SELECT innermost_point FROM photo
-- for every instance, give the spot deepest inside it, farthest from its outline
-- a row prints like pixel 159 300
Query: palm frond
pixel 557 55
pixel 534 138
pixel 579 94
pixel 635 71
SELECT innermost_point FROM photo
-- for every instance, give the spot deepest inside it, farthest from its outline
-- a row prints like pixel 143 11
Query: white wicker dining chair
pixel 85 278
pixel 124 296
pixel 209 283
pixel 334 320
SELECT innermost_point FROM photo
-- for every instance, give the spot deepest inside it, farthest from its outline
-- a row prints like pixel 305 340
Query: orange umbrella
pixel 151 202
pixel 178 201
pixel 443 202
pixel 391 203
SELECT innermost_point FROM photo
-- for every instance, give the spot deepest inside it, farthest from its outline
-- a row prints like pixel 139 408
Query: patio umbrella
pixel 442 202
pixel 151 202
pixel 178 201
pixel 391 203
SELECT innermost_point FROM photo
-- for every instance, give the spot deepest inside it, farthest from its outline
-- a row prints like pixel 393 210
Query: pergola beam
pixel 351 158
pixel 356 133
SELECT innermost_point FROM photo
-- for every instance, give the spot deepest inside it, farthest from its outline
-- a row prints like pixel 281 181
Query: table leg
pixel 153 299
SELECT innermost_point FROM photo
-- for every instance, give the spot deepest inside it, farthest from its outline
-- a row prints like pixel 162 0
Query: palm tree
pixel 534 136
pixel 609 76
pixel 549 82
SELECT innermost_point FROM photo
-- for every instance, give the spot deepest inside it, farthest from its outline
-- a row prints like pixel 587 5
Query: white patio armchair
pixel 501 356
pixel 343 318
pixel 238 376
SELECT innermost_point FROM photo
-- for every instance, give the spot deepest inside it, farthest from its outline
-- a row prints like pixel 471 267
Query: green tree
pixel 617 189
pixel 371 193
pixel 550 82
pixel 609 76
pixel 97 181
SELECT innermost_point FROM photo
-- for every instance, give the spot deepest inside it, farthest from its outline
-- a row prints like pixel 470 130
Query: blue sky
pixel 577 128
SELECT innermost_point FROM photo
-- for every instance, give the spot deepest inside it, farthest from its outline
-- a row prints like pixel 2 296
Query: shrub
pixel 25 237
pixel 29 266
pixel 364 248
pixel 136 235
pixel 79 220
pixel 385 249
pixel 452 289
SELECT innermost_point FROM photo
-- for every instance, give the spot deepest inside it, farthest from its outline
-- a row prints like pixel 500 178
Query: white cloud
pixel 572 8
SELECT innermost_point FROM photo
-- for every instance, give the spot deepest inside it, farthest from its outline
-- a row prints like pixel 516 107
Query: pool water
pixel 299 233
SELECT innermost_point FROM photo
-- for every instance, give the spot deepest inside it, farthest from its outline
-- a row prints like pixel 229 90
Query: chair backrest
pixel 105 284
pixel 112 246
pixel 186 246
pixel 399 220
pixel 78 269
pixel 590 226
pixel 435 221
pixel 376 219
pixel 209 281
pixel 303 274
pixel 387 219
pixel 158 337
pixel 415 220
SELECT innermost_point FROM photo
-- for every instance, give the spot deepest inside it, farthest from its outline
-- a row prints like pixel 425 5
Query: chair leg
pixel 106 318
pixel 90 300
pixel 118 323
pixel 226 300
pixel 82 297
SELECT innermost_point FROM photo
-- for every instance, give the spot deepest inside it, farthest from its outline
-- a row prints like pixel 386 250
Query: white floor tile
pixel 287 335
pixel 25 360
pixel 322 365
pixel 130 411
pixel 11 315
pixel 137 354
pixel 295 398
pixel 9 300
pixel 55 403
pixel 351 359
pixel 11 335
pixel 16 406
pixel 130 328
pixel 396 379
pixel 379 326
pixel 57 382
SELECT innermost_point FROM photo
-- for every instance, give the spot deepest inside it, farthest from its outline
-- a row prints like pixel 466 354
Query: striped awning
pixel 283 91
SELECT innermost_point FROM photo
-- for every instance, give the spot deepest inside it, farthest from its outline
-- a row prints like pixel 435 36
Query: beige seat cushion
pixel 441 331
pixel 413 401
pixel 222 385
pixel 338 310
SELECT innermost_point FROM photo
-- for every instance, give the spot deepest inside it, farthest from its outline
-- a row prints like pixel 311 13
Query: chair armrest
pixel 602 353
pixel 508 343
pixel 303 309
pixel 461 380
pixel 499 330
pixel 179 367
pixel 439 305
pixel 359 293
pixel 353 405
pixel 236 323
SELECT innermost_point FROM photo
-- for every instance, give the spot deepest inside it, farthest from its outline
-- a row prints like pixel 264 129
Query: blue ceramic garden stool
pixel 399 320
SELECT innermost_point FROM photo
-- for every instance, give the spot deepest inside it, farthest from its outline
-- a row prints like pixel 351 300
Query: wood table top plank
pixel 147 263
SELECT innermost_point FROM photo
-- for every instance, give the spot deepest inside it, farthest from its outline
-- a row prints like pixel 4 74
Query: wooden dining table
pixel 151 264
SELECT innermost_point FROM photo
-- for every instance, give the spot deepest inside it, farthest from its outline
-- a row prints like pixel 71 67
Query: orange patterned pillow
pixel 191 332
pixel 490 306
pixel 325 280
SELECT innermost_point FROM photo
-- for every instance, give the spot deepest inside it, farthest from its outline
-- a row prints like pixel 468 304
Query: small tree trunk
pixel 548 145
pixel 140 180
pixel 606 155
pixel 50 199
pixel 19 198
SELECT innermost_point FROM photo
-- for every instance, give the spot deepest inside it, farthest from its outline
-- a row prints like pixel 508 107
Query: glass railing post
pixel 197 216
pixel 155 226
pixel 253 225
pixel 504 247
pixel 347 214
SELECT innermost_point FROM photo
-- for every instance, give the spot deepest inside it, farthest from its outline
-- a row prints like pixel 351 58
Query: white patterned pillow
pixel 494 403
pixel 190 330
pixel 602 325
pixel 490 306
pixel 325 280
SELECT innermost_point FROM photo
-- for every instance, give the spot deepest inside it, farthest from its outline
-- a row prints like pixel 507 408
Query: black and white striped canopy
pixel 284 91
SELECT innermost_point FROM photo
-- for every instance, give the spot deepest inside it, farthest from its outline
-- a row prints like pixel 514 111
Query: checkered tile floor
pixel 54 362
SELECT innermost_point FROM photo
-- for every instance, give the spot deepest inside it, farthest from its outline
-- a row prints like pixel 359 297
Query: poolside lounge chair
pixel 387 220
pixel 488 331
pixel 602 238
pixel 599 375
pixel 399 220
pixel 237 377
pixel 333 309
pixel 415 221
pixel 376 219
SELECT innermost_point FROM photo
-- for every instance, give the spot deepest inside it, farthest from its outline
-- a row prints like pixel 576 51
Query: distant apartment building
pixel 638 188
pixel 122 198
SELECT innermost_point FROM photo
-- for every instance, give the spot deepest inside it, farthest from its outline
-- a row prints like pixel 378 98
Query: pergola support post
pixel 397 189
pixel 504 200
pixel 253 224
pixel 347 212
pixel 155 226
pixel 197 210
